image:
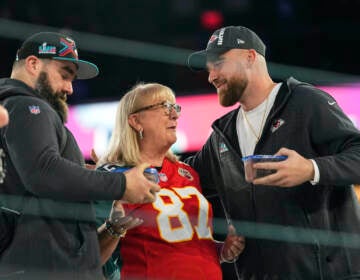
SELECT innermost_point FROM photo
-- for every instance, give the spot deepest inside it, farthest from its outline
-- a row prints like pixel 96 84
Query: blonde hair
pixel 124 146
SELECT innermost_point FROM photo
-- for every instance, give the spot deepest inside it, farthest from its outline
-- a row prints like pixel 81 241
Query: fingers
pixel 291 172
pixel 94 156
pixel 127 223
pixel 90 166
pixel 272 179
pixel 233 247
pixel 150 198
pixel 154 188
pixel 268 165
pixel 134 223
pixel 283 152
pixel 231 230
pixel 138 188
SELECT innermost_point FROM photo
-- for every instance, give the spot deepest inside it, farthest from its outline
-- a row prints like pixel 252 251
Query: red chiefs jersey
pixel 175 240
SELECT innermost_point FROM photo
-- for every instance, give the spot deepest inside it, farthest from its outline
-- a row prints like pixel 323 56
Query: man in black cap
pixel 47 222
pixel 309 192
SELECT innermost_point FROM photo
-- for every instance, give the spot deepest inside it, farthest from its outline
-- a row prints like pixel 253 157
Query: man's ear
pixel 32 65
pixel 251 55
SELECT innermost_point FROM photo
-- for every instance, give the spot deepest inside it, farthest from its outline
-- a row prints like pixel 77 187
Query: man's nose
pixel 212 76
pixel 68 88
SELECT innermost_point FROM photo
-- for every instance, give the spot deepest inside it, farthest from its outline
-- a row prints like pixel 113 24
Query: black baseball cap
pixel 56 46
pixel 225 39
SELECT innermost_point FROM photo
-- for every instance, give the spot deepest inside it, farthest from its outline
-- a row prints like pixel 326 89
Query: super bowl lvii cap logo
pixel 44 48
pixel 69 48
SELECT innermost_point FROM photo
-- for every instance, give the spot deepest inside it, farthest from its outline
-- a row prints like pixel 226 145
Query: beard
pixel 57 100
pixel 233 93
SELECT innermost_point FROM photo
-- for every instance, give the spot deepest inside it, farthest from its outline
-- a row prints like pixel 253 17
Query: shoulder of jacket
pixel 24 99
pixel 19 101
pixel 225 119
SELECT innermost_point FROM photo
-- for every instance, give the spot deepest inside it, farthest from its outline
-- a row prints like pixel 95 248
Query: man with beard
pixel 310 192
pixel 47 222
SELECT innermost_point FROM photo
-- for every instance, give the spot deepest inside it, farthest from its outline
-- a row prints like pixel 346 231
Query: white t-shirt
pixel 250 128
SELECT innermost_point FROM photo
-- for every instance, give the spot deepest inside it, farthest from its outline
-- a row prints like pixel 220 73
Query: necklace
pixel 257 135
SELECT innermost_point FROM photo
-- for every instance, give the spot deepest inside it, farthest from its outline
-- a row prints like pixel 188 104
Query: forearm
pixel 107 244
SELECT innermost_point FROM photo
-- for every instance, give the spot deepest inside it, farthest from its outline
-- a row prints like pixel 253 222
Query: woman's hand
pixel 119 222
pixel 232 247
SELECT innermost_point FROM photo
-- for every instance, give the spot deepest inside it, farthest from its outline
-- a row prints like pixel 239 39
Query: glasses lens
pixel 170 106
pixel 177 108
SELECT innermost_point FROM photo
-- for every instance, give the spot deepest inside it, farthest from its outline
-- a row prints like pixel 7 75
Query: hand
pixel 232 247
pixel 121 223
pixel 291 172
pixel 138 188
pixel 94 158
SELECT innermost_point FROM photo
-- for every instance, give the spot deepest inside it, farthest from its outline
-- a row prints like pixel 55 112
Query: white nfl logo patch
pixel 34 109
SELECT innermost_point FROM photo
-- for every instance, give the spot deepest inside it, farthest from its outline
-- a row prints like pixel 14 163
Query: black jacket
pixel 49 191
pixel 276 220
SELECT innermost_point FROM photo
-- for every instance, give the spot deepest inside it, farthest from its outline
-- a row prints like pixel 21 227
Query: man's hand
pixel 138 188
pixel 291 172
pixel 232 247
pixel 94 158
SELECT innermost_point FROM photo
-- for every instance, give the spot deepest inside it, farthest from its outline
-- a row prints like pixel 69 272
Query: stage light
pixel 211 19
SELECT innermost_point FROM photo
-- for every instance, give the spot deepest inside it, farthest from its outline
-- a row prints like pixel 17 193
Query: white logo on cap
pixel 212 39
pixel 221 37
pixel 239 41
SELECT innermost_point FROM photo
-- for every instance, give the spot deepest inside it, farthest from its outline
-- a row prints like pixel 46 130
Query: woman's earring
pixel 141 136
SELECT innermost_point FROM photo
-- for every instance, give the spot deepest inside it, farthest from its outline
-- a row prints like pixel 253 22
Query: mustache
pixel 62 96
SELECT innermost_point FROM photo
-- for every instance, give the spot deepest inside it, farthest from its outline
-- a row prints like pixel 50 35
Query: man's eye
pixel 218 63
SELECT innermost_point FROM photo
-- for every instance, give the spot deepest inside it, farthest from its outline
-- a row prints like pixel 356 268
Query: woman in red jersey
pixel 175 240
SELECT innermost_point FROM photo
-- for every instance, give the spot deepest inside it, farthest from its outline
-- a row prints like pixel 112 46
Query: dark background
pixel 318 34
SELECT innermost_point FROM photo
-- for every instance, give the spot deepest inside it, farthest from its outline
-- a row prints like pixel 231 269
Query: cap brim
pixel 86 69
pixel 197 60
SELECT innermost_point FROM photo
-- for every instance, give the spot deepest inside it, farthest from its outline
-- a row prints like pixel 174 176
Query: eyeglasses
pixel 165 104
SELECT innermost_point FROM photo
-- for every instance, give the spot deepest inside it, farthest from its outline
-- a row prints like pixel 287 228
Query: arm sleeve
pixel 204 164
pixel 337 141
pixel 33 141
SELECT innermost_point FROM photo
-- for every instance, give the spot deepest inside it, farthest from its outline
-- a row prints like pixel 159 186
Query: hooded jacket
pixel 46 195
pixel 302 232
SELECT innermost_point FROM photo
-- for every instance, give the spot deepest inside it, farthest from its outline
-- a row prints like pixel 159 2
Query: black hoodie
pixel 289 231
